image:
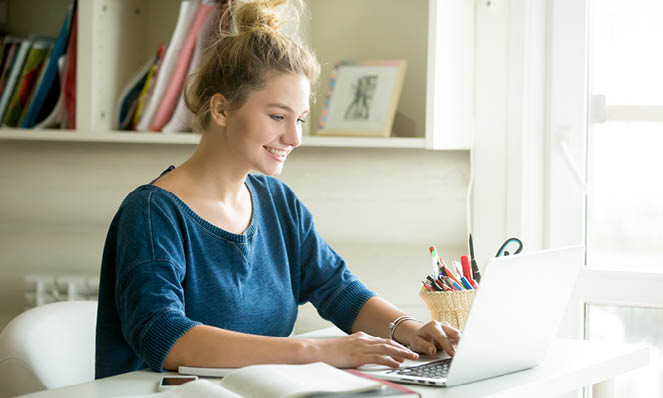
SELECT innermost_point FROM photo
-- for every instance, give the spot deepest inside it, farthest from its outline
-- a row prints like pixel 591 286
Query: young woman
pixel 206 265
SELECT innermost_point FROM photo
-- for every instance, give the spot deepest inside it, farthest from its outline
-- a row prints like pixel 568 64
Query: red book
pixel 389 389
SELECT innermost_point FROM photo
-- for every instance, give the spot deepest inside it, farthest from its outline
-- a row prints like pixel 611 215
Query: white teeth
pixel 276 151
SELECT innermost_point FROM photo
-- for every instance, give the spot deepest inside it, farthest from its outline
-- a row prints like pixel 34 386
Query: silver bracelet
pixel 394 324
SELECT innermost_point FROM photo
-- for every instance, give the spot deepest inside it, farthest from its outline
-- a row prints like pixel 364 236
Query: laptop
pixel 513 320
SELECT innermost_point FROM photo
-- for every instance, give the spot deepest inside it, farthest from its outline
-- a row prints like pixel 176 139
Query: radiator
pixel 43 289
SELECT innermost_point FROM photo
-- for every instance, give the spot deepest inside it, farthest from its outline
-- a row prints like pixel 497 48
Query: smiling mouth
pixel 277 152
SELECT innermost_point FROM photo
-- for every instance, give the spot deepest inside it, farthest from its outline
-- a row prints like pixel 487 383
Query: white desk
pixel 570 365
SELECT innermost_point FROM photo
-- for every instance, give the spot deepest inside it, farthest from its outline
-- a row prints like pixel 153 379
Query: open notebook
pixel 284 381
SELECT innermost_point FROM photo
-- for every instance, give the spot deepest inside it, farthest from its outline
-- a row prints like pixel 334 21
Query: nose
pixel 293 134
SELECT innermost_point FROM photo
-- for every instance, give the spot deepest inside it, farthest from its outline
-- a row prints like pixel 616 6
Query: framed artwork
pixel 362 98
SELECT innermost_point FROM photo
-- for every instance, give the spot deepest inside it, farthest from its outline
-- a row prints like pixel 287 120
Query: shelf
pixel 115 38
pixel 363 142
pixel 192 139
pixel 116 136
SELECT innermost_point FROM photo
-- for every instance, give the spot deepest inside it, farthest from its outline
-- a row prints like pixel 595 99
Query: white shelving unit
pixel 436 37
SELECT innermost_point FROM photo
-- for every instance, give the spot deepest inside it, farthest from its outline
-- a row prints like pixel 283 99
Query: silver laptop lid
pixel 516 313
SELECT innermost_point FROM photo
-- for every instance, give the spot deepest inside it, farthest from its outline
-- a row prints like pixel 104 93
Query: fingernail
pixel 431 351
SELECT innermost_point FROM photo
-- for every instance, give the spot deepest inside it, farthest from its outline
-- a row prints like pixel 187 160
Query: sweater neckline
pixel 242 238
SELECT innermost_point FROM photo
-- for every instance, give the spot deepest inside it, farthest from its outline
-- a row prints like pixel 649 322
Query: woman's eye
pixel 278 118
pixel 301 120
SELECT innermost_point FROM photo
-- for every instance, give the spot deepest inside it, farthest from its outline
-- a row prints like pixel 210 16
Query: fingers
pixel 424 346
pixel 382 360
pixel 392 349
pixel 452 333
pixel 436 335
pixel 376 350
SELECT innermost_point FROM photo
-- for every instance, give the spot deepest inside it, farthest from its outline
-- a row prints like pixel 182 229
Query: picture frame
pixel 362 98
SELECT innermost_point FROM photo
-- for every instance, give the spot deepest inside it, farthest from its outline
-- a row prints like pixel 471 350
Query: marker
pixel 476 275
pixel 433 254
pixel 467 270
pixel 466 283
pixel 457 286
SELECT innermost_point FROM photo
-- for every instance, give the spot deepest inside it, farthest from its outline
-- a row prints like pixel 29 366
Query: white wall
pixel 380 208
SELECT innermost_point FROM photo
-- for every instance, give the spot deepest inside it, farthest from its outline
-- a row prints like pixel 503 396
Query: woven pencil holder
pixel 450 307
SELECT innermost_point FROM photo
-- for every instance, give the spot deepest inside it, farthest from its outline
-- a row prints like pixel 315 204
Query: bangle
pixel 394 324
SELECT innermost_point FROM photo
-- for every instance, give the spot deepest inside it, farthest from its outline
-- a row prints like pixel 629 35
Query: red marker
pixel 467 270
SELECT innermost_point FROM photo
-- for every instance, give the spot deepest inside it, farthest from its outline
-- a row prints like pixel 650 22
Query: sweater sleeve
pixel 149 294
pixel 326 281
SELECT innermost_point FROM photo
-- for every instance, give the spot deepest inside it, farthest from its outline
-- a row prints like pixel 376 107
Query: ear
pixel 218 106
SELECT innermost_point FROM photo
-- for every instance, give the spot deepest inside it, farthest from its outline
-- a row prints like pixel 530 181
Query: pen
pixel 476 275
pixel 427 286
pixel 433 284
pixel 441 285
pixel 447 282
pixel 458 269
pixel 450 274
pixel 453 270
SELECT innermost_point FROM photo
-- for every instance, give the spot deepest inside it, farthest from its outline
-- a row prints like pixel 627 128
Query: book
pixel 11 46
pixel 16 68
pixel 39 81
pixel 68 90
pixel 48 89
pixel 127 104
pixel 187 13
pixel 26 82
pixel 55 114
pixel 181 119
pixel 280 381
pixel 388 389
pixel 147 87
pixel 172 93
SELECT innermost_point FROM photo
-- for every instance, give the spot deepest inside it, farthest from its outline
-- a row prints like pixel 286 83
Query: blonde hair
pixel 241 59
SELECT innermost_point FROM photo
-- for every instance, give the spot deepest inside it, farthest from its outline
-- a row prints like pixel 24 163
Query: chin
pixel 272 172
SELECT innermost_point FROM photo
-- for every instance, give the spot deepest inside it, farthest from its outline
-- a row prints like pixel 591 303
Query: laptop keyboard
pixel 432 370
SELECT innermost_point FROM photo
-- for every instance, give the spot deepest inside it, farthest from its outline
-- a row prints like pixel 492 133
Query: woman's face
pixel 269 124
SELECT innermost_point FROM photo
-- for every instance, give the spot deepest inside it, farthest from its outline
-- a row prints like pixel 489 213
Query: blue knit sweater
pixel 165 270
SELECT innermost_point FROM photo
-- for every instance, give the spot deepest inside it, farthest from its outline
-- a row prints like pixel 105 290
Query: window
pixel 606 127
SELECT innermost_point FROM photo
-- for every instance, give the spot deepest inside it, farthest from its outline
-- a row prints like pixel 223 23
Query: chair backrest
pixel 47 347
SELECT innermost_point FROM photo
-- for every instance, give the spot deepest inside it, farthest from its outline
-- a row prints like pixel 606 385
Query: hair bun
pixel 258 15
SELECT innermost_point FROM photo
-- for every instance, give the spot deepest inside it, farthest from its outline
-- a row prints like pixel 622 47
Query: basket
pixel 450 307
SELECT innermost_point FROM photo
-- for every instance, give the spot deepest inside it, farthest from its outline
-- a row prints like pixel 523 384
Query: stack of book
pixel 38 78
pixel 153 100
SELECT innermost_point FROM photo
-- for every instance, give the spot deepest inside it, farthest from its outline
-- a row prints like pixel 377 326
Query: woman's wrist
pixel 308 351
pixel 405 331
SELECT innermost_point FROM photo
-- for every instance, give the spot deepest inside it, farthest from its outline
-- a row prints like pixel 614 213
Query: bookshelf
pixel 115 37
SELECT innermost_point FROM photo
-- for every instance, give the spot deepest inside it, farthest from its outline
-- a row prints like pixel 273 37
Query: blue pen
pixel 457 286
pixel 466 283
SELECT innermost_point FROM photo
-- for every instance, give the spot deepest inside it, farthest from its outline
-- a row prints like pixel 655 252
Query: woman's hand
pixel 360 349
pixel 429 337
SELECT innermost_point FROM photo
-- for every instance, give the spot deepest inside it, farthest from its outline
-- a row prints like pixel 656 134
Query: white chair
pixel 47 347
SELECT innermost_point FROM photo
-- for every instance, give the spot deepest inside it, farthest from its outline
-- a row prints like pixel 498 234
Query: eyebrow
pixel 284 107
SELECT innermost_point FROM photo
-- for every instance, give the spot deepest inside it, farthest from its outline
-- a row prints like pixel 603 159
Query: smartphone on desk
pixel 168 382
